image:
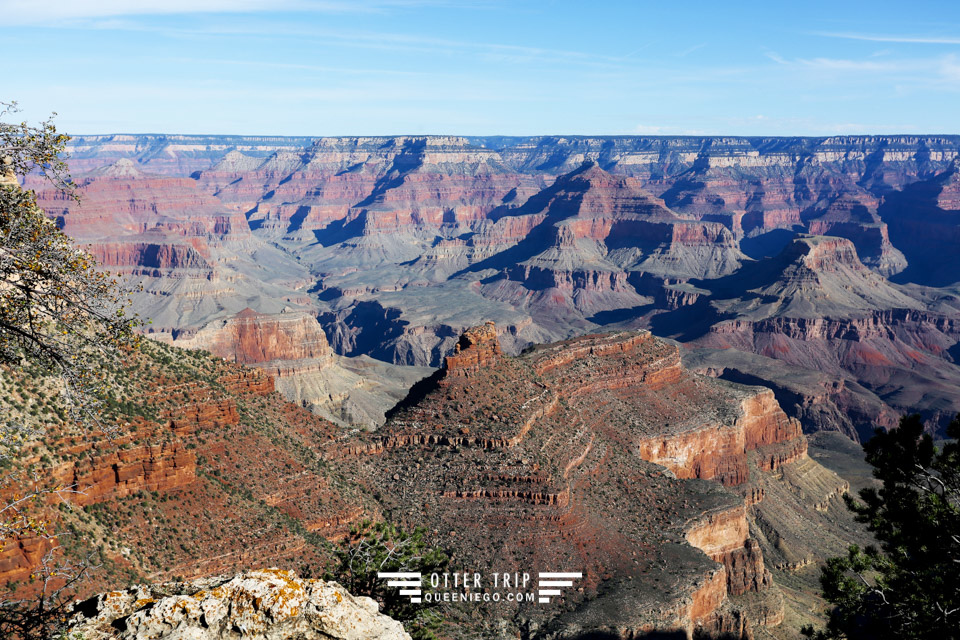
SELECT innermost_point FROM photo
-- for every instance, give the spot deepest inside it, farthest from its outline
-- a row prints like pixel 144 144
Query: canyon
pixel 821 267
pixel 601 454
pixel 564 354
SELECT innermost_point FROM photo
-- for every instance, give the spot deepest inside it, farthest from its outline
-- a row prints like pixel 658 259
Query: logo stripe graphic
pixel 547 580
pixel 408 581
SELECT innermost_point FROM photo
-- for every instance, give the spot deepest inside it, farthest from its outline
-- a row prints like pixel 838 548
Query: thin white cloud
pixel 903 75
pixel 776 57
pixel 874 64
pixel 867 37
pixel 840 64
pixel 647 130
pixel 52 12
pixel 690 50
pixel 370 40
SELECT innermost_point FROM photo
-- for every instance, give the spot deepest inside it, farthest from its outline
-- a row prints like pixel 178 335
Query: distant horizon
pixel 503 135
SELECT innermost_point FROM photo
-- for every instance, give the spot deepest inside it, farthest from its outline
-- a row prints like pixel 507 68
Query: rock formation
pixel 477 349
pixel 398 244
pixel 599 454
pixel 293 350
pixel 817 308
pixel 255 338
pixel 207 470
pixel 270 604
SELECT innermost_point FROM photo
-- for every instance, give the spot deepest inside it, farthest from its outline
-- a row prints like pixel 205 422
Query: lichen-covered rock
pixel 268 604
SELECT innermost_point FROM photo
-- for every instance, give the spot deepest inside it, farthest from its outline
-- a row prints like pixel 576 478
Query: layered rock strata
pixel 215 459
pixel 550 236
pixel 586 447
pixel 292 349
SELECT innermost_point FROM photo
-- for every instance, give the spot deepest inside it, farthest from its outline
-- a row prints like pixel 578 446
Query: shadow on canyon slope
pixel 767 245
pixel 911 215
pixel 654 635
pixel 614 316
pixel 539 237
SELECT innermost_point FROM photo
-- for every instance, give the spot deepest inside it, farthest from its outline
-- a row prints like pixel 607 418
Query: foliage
pixel 909 587
pixel 372 547
pixel 63 317
pixel 57 310
pixel 44 616
pixel 34 149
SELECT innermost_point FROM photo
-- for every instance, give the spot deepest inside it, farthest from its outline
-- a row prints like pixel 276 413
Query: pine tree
pixel 908 586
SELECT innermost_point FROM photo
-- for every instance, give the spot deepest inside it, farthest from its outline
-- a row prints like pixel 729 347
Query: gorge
pixel 396 245
pixel 601 355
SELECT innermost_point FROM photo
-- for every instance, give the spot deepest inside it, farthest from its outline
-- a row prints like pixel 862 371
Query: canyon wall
pixel 604 443
pixel 398 244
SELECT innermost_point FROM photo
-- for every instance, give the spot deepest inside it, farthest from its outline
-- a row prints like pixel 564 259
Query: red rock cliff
pixel 477 348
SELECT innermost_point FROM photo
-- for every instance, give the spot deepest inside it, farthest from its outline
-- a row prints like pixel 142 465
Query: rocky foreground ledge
pixel 268 604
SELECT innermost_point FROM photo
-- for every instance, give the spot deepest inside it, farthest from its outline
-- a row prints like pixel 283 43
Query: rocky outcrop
pixel 94 479
pixel 269 604
pixel 719 451
pixel 248 381
pixel 202 414
pixel 725 537
pixel 127 471
pixel 477 349
pixel 156 259
pixel 255 338
pixel 20 556
pixel 291 352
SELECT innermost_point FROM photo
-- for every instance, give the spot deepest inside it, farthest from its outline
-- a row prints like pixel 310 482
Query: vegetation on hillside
pixel 59 316
pixel 57 310
pixel 909 586
pixel 374 547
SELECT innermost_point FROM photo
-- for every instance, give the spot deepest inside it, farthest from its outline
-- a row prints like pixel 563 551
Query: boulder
pixel 268 604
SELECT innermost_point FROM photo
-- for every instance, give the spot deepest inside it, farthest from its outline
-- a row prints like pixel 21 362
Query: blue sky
pixel 476 67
